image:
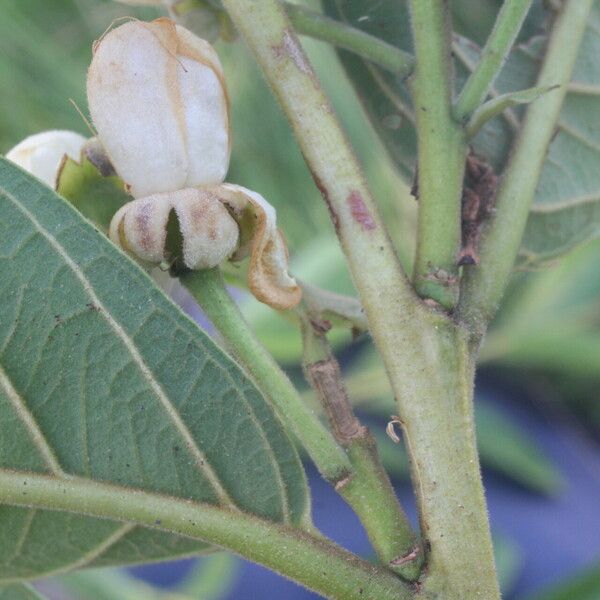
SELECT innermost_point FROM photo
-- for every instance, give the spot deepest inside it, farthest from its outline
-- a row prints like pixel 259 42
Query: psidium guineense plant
pixel 177 447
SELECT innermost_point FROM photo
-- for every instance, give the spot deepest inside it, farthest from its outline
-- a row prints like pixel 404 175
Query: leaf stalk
pixel 498 45
pixel 312 561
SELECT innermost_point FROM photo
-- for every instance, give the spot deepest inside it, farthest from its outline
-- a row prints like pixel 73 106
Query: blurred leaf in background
pixel 584 586
pixel 209 579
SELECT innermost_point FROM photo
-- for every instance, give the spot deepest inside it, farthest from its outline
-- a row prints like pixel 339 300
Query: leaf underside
pixel 566 210
pixel 102 376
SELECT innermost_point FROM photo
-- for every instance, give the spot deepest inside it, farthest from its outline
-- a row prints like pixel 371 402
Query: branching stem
pixel 369 490
pixel 483 286
pixel 316 25
pixel 441 155
pixel 425 353
pixel 507 26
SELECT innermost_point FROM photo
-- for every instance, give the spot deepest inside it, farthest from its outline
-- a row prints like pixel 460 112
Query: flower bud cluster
pixel 158 100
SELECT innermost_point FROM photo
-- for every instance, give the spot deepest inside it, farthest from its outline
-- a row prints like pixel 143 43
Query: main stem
pixel 313 561
pixel 425 354
pixel 441 155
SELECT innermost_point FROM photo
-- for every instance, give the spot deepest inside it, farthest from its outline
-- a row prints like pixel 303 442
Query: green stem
pixel 312 561
pixel 208 288
pixel 483 286
pixel 353 484
pixel 368 490
pixel 507 26
pixel 316 25
pixel 441 155
pixel 425 354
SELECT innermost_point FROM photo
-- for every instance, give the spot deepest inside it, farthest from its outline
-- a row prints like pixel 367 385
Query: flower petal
pixel 134 100
pixel 206 110
pixel 268 277
pixel 210 234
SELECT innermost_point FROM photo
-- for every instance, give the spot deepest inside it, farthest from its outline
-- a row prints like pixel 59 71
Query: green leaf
pixel 566 211
pixel 96 197
pixel 584 586
pixel 550 320
pixel 19 592
pixel 101 376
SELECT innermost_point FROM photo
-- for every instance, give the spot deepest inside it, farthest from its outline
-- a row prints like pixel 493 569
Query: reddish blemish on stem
pixel 360 212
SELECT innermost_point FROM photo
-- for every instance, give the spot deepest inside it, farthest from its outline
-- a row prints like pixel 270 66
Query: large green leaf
pixel 101 376
pixel 566 211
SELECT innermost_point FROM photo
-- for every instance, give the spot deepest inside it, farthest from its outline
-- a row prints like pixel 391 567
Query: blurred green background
pixel 546 337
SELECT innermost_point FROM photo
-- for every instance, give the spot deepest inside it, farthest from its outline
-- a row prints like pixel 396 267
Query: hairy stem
pixel 425 353
pixel 441 155
pixel 507 26
pixel 483 286
pixel 208 288
pixel 368 490
pixel 312 561
pixel 316 25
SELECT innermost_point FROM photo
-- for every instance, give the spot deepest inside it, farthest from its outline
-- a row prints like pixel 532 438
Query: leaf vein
pixel 171 411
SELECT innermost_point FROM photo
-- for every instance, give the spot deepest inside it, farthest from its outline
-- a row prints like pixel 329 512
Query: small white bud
pixel 209 233
pixel 158 101
pixel 42 154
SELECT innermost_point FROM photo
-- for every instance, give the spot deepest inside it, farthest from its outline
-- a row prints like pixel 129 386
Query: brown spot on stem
pixel 479 196
pixel 402 560
pixel 335 219
pixel 360 212
pixel 291 49
pixel 326 379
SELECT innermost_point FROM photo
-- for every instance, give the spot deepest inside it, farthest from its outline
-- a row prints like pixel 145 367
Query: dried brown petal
pixel 268 277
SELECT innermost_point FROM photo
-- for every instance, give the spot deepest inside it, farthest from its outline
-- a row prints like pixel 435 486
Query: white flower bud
pixel 209 233
pixel 42 154
pixel 158 101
